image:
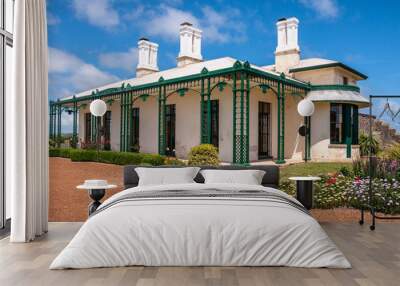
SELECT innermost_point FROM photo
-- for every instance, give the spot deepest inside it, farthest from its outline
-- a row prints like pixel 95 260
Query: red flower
pixel 331 181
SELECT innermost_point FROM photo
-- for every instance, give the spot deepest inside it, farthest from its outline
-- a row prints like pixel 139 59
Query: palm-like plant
pixel 366 143
pixel 393 152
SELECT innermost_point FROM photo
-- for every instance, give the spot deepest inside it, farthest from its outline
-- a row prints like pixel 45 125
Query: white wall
pixel 332 75
pixel 225 122
pixel 115 109
pixel 148 124
pixel 320 131
pixel 294 143
pixel 187 132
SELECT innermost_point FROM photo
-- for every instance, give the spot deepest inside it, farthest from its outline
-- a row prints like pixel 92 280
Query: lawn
pixel 311 169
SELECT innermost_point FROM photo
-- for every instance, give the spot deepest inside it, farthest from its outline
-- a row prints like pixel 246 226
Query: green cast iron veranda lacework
pixel 75 125
pixel 93 124
pixel 241 76
pixel 281 158
pixel 208 111
pixel 51 123
pixel 281 123
pixel 126 121
pixel 203 132
pixel 123 121
pixel 234 92
pixel 247 160
pixel 59 112
pixel 56 122
pixel 161 120
pixel 240 116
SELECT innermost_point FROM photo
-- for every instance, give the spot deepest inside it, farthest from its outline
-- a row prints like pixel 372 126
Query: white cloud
pixel 120 60
pixel 97 12
pixel 52 19
pixel 66 122
pixel 324 8
pixel 69 74
pixel 165 22
pixel 224 26
pixel 218 26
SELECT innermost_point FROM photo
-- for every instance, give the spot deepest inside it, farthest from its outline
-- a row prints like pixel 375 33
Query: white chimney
pixel 287 53
pixel 147 62
pixel 190 45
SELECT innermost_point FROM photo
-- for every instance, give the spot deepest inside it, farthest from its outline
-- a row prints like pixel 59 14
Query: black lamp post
pixel 306 108
pixel 98 108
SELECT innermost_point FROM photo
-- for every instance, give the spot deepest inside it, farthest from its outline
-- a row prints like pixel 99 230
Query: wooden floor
pixel 375 257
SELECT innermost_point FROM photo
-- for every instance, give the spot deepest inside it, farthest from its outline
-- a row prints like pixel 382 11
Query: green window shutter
pixel 347 128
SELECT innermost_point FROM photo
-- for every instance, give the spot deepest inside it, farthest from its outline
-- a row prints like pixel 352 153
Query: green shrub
pixel 65 152
pixel 289 187
pixel 382 168
pixel 345 171
pixel 78 155
pixel 54 152
pixel 120 158
pixel 52 143
pixel 59 152
pixel 365 143
pixel 153 159
pixel 203 155
pixel 392 152
pixel 174 162
pixel 110 157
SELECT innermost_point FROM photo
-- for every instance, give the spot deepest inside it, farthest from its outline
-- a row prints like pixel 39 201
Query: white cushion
pixel 166 176
pixel 247 177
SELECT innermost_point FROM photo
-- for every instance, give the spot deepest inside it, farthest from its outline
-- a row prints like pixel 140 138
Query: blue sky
pixel 93 42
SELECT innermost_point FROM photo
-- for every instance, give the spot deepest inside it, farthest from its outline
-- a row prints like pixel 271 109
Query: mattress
pixel 201 225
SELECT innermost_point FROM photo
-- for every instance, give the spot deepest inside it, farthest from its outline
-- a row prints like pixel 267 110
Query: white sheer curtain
pixel 26 117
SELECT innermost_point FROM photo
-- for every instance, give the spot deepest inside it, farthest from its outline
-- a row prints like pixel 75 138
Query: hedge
pixel 111 157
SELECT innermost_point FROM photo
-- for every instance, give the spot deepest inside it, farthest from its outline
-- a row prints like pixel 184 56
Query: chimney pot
pixel 147 57
pixel 287 53
pixel 186 24
pixel 190 45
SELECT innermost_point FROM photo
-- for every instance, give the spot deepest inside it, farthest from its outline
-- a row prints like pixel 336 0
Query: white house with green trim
pixel 249 111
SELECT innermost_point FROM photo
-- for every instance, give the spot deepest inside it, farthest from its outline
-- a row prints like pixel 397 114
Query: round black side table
pixel 96 190
pixel 96 195
pixel 305 190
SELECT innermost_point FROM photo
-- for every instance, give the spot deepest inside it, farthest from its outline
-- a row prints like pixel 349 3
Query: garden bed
pixel 68 204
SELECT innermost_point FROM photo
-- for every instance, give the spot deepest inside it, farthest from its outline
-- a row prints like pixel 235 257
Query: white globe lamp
pixel 305 107
pixel 98 107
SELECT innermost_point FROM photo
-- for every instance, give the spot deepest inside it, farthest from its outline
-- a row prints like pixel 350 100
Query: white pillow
pixel 248 177
pixel 166 176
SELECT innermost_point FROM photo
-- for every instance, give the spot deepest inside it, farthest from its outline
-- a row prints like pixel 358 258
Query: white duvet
pixel 200 231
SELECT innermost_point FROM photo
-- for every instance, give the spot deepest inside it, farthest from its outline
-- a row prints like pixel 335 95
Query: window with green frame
pixel 214 121
pixel 88 128
pixel 107 130
pixel 343 123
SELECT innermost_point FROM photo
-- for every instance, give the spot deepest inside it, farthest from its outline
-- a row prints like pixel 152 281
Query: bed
pixel 198 224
